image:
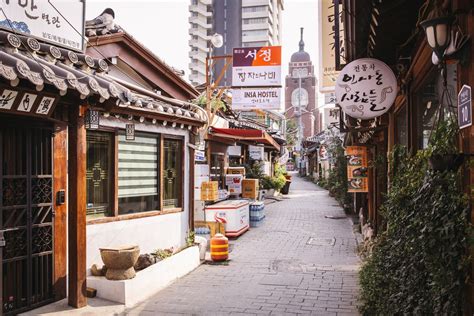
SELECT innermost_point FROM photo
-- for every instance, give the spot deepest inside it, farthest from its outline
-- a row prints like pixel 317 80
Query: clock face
pixel 297 95
pixel 300 72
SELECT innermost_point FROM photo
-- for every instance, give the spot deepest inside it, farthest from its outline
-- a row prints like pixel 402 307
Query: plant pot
pixel 449 162
pixel 288 177
pixel 286 188
pixel 120 261
pixel 269 193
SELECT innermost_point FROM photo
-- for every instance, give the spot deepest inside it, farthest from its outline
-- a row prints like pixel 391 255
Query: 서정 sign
pixel 59 22
pixel 357 179
pixel 366 88
pixel 256 66
pixel 252 99
pixel 465 107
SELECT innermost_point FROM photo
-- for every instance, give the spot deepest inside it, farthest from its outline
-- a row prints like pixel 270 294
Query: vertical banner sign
pixel 256 66
pixel 357 178
pixel 129 131
pixel 58 22
pixel 328 71
pixel 465 107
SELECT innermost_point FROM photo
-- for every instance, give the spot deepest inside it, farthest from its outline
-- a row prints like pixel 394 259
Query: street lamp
pixel 217 40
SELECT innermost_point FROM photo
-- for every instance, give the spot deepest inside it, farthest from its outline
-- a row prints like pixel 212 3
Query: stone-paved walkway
pixel 298 262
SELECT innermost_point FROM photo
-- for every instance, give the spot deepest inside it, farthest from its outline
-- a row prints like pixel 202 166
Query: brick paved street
pixel 298 262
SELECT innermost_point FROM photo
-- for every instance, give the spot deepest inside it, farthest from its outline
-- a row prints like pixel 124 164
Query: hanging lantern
pixel 437 27
pixel 92 119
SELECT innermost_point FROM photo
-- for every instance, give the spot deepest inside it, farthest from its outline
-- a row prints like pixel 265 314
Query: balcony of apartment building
pixel 255 24
pixel 205 22
pixel 260 11
pixel 200 43
pixel 255 35
pixel 202 9
pixel 197 78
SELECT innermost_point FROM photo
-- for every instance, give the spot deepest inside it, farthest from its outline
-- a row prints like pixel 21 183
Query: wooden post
pixel 60 221
pixel 77 208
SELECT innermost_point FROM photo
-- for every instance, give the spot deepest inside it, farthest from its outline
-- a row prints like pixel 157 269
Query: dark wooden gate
pixel 26 217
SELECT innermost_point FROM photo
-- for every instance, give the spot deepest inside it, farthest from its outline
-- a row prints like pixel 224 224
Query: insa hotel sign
pixel 249 99
pixel 60 22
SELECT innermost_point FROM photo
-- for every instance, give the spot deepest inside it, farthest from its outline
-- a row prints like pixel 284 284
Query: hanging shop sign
pixel 256 152
pixel 465 107
pixel 256 66
pixel 366 88
pixel 329 98
pixel 199 155
pixel 129 131
pixel 331 117
pixel 19 102
pixel 357 169
pixel 256 99
pixel 58 22
pixel 328 71
pixel 234 150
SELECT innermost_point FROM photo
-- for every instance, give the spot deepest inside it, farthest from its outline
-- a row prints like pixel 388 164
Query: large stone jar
pixel 120 261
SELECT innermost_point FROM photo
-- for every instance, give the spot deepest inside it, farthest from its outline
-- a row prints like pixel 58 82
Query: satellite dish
pixel 217 40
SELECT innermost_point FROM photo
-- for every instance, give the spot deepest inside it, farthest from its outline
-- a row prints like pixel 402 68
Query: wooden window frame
pixel 114 195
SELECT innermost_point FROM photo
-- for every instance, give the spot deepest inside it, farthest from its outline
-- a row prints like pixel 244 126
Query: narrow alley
pixel 298 262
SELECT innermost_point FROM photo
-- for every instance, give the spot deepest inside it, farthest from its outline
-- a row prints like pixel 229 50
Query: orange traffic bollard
pixel 219 248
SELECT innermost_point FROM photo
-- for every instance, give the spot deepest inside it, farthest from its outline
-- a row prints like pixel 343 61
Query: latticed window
pixel 172 173
pixel 99 173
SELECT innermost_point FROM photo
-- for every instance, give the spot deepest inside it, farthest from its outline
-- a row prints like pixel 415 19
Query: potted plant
pixel 443 147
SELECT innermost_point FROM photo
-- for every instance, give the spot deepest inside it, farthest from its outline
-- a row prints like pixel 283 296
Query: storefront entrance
pixel 26 217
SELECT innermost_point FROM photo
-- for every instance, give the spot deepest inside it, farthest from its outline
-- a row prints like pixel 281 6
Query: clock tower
pixel 300 93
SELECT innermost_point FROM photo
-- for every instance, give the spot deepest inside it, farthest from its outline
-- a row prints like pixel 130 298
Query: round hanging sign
pixel 366 88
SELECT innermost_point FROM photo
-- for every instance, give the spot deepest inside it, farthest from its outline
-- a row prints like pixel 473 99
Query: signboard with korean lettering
pixel 256 66
pixel 328 71
pixel 331 117
pixel 465 107
pixel 357 170
pixel 256 152
pixel 252 99
pixel 366 88
pixel 27 103
pixel 60 22
pixel 129 131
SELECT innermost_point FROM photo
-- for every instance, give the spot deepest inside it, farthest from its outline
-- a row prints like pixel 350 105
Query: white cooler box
pixel 234 213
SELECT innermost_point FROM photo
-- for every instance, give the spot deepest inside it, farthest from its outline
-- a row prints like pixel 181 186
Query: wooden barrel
pixel 219 248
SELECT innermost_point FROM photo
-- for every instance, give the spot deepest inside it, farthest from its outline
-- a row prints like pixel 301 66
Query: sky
pixel 162 26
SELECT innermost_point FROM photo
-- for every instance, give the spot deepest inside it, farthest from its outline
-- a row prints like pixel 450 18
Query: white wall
pixel 150 233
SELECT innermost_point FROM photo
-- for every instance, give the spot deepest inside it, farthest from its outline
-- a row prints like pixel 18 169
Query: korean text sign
pixel 60 22
pixel 357 171
pixel 256 66
pixel 366 88
pixel 250 99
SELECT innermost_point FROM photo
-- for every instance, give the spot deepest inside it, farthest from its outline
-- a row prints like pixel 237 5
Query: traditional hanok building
pixel 391 32
pixel 85 154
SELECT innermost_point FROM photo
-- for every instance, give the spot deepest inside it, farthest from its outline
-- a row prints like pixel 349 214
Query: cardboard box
pixel 236 170
pixel 233 179
pixel 209 191
pixel 250 188
pixel 235 189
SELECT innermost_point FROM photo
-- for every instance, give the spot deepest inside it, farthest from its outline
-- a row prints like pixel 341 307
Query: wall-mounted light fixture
pixel 437 27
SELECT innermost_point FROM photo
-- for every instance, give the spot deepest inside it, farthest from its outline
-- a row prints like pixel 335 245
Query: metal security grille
pixel 26 218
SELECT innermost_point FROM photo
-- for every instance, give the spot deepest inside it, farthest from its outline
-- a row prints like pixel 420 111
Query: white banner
pixel 252 99
pixel 60 22
pixel 256 152
pixel 250 76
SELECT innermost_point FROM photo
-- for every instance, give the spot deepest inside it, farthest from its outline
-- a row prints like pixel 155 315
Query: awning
pixel 247 135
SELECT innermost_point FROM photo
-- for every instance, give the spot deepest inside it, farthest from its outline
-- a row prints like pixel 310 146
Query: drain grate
pixel 313 241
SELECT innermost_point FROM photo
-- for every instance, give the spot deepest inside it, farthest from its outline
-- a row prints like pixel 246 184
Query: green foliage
pixel 418 265
pixel 162 253
pixel 276 183
pixel 443 139
pixel 291 132
pixel 190 238
pixel 254 170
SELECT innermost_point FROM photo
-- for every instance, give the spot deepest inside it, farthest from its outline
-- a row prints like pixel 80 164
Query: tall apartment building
pixel 242 23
